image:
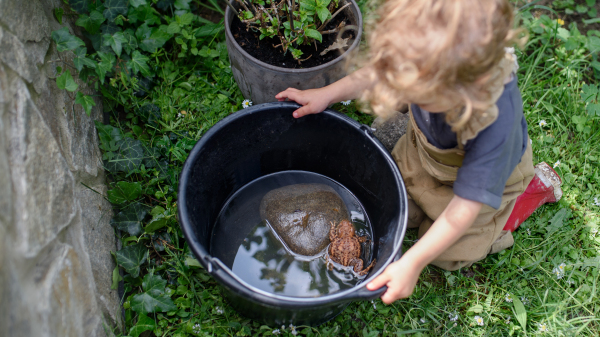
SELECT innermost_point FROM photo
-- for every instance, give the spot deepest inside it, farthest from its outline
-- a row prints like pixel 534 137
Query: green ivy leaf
pixel 65 41
pixel 139 63
pixel 144 323
pixel 323 14
pixel 124 191
pixel 130 43
pixel 131 258
pixel 80 6
pixel 137 3
pixel 154 298
pixel 115 42
pixel 313 33
pixel 130 218
pixel 128 158
pixel 153 38
pixel 87 102
pixel 105 65
pixel 58 13
pixel 92 22
pixel 65 81
pixel 520 312
pixel 158 221
pixel 115 8
pixel 80 60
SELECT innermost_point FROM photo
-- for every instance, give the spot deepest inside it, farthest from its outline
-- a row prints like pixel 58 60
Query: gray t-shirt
pixel 490 157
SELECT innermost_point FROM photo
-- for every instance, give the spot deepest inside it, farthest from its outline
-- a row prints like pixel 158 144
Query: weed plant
pixel 165 79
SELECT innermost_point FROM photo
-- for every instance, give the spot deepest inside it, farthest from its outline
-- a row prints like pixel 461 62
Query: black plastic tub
pixel 266 139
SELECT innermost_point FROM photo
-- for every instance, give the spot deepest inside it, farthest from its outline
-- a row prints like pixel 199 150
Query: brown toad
pixel 345 247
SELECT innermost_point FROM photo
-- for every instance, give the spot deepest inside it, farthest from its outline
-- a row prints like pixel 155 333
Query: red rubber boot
pixel 543 188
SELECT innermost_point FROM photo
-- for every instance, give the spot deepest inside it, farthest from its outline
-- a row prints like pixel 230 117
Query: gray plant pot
pixel 260 82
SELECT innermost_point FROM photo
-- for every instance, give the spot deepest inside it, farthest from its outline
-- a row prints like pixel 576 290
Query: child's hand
pixel 313 100
pixel 400 277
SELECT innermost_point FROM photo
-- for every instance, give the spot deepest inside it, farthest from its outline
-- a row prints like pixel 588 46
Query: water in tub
pixel 260 257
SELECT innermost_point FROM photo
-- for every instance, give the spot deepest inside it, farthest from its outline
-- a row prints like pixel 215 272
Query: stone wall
pixel 55 238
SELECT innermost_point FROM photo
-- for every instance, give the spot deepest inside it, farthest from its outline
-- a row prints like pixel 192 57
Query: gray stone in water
pixel 301 214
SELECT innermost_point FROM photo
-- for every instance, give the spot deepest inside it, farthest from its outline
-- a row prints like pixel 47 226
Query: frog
pixel 345 247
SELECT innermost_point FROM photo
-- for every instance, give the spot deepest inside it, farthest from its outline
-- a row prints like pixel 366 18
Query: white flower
pixel 346 102
pixel 556 164
pixel 596 202
pixel 179 115
pixel 594 231
pixel 508 298
pixel 454 324
pixel 543 327
pixel 479 320
pixel 294 332
pixel 525 300
pixel 530 141
pixel 283 327
pixel 276 332
pixel 559 271
pixel 196 328
pixel 219 310
pixel 543 123
pixel 570 282
pixel 507 320
pixel 453 317
pixel 528 231
pixel 374 306
pixel 246 103
pixel 423 320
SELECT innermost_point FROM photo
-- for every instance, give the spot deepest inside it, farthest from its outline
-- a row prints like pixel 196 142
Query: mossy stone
pixel 301 215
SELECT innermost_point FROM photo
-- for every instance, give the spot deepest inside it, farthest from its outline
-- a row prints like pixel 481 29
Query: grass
pixel 518 292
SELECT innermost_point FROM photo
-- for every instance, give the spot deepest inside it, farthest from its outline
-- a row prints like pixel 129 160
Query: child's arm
pixel 402 275
pixel 317 100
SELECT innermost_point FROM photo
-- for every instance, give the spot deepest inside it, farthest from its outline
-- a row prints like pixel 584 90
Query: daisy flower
pixel 219 310
pixel 543 327
pixel 346 102
pixel 543 123
pixel 508 298
pixel 556 164
pixel 559 271
pixel 479 320
pixel 294 332
pixel 246 103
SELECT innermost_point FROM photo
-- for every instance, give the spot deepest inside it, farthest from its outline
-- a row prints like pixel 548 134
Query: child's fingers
pixel 379 281
pixel 303 111
pixel 289 93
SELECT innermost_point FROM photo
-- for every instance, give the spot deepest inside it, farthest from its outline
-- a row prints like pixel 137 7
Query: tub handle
pixel 368 130
pixel 366 294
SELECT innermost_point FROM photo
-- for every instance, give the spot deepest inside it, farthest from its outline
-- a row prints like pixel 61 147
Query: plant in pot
pixel 276 44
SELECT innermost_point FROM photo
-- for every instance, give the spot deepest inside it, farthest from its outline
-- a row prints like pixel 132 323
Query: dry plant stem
pixel 233 8
pixel 331 31
pixel 333 16
pixel 291 11
pixel 241 2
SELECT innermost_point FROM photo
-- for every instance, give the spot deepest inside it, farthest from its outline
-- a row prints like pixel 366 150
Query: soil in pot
pixel 250 247
pixel 263 49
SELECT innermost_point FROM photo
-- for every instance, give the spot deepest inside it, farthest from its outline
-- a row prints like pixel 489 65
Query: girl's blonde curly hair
pixel 423 49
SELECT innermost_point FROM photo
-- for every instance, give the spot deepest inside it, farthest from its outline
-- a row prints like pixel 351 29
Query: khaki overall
pixel 429 174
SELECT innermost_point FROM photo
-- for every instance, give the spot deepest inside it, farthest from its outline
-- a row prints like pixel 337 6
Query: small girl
pixel 466 156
